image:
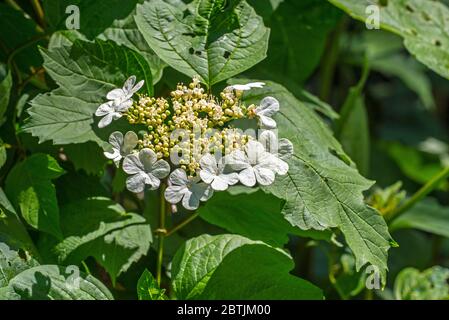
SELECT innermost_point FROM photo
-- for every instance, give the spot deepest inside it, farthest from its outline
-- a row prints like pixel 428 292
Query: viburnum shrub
pixel 193 139
pixel 224 149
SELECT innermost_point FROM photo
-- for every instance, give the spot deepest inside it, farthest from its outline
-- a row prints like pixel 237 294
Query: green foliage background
pixel 366 110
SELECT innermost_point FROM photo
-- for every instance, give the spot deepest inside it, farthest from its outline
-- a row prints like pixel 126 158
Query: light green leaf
pixel 100 228
pixel 85 72
pixel 431 284
pixel 422 24
pixel 322 188
pixel 30 189
pixel 5 90
pixel 258 272
pixel 11 264
pixel 212 39
pixel 147 288
pixel 253 214
pixel 427 215
pixel 197 259
pixel 50 282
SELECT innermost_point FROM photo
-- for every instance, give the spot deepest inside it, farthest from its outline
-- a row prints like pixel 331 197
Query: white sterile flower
pixel 279 150
pixel 246 87
pixel 255 163
pixel 144 168
pixel 267 108
pixel 213 173
pixel 121 146
pixel 120 101
pixel 190 190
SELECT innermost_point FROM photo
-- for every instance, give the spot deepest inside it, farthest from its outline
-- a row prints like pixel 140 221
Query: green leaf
pixel 352 128
pixel 87 156
pixel 212 39
pixel 85 72
pixel 431 284
pixel 427 216
pixel 100 228
pixel 323 190
pixel 30 189
pixel 3 155
pixel 422 25
pixel 125 32
pixel 5 90
pixel 50 282
pixel 197 259
pixel 12 231
pixel 18 28
pixel 299 31
pixel 253 214
pixel 147 288
pixel 11 264
pixel 258 272
pixel 95 16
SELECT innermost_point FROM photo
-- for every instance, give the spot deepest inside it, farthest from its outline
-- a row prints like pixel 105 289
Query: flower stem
pixel 161 234
pixel 419 195
pixel 182 224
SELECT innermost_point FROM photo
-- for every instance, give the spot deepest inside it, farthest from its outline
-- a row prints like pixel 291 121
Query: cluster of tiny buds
pixel 188 111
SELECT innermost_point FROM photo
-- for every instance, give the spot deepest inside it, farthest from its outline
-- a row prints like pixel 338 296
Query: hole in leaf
pixel 437 43
pixel 198 53
pixel 409 8
pixel 226 54
pixel 426 17
pixel 383 3
pixel 191 51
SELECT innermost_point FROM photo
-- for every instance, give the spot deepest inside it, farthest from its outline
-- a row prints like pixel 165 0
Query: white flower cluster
pixel 255 162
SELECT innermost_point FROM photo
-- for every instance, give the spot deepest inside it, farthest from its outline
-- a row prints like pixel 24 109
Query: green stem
pixel 24 46
pixel 419 195
pixel 161 231
pixel 182 224
pixel 39 12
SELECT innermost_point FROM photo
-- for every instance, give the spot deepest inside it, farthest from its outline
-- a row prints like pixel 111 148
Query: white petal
pixel 148 158
pixel 285 149
pixel 207 176
pixel 137 86
pixel 202 191
pixel 178 178
pixel 269 140
pixel 105 121
pixel 116 140
pixel 123 106
pixel 264 176
pixel 276 164
pixel 132 164
pixel 268 107
pixel 237 160
pixel 254 151
pixel 160 169
pixel 266 122
pixel 174 194
pixel 116 94
pixel 136 182
pixel 104 109
pixel 129 83
pixel 230 178
pixel 247 177
pixel 209 163
pixel 248 86
pixel 113 155
pixel 129 143
pixel 219 184
pixel 190 201
pixel 152 181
